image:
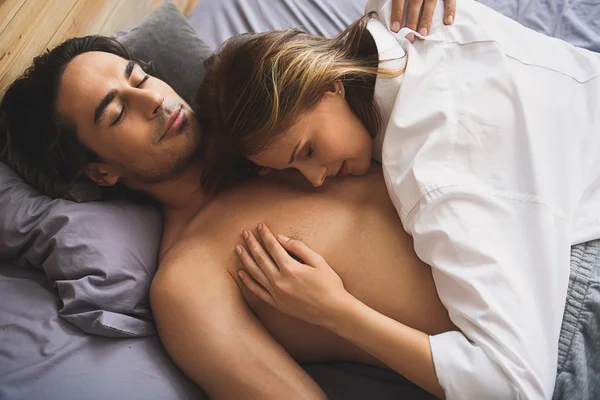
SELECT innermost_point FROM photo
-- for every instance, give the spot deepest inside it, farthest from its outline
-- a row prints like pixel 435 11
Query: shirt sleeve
pixel 499 265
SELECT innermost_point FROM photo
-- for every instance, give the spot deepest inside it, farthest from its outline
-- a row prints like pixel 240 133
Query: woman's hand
pixel 309 290
pixel 425 9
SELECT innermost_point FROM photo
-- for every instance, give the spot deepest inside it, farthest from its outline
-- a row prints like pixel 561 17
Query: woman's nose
pixel 316 175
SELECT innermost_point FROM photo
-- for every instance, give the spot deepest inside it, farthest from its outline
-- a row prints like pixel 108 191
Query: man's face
pixel 140 128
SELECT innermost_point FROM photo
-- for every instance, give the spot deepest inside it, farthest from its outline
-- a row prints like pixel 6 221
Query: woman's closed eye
pixel 124 108
pixel 309 152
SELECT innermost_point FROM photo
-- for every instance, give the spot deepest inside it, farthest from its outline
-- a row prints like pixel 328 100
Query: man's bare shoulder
pixel 204 258
pixel 205 244
pixel 191 256
pixel 194 275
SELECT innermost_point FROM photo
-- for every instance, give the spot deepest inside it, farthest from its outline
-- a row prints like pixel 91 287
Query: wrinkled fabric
pixel 491 156
pixel 578 374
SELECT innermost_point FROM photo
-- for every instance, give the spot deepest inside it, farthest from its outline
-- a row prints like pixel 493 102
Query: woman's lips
pixel 344 171
pixel 175 122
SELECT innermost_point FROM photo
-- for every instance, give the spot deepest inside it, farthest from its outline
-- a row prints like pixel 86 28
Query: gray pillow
pixel 102 256
pixel 170 45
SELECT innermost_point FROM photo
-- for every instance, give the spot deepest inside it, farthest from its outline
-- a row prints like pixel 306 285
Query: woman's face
pixel 328 141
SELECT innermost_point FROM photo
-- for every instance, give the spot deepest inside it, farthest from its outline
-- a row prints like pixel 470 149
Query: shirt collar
pixel 391 55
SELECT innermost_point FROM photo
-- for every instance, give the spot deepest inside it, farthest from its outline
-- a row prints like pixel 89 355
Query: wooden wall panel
pixel 27 33
pixel 28 27
pixel 85 18
pixel 8 9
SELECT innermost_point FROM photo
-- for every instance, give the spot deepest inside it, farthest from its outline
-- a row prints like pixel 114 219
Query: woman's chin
pixel 361 170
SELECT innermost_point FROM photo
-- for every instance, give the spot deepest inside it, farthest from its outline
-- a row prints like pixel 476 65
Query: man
pixel 86 109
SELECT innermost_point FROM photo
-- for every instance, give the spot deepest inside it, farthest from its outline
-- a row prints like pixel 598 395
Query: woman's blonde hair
pixel 256 86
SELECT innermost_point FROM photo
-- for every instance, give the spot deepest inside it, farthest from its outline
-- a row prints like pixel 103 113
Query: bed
pixel 56 344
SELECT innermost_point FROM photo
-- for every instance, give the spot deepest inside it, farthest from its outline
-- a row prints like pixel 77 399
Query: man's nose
pixel 150 102
pixel 315 174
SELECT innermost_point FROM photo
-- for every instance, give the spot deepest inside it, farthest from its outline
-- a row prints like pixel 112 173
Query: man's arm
pixel 212 335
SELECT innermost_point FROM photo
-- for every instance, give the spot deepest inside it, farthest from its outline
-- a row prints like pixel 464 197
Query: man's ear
pixel 101 174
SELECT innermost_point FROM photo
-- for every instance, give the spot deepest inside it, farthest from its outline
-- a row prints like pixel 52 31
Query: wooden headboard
pixel 28 27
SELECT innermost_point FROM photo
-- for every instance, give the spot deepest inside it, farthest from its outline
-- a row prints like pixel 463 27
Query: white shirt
pixel 491 155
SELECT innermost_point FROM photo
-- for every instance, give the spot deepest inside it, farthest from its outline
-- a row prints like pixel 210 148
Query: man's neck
pixel 181 195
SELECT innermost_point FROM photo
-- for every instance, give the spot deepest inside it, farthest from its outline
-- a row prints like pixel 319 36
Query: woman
pixel 487 133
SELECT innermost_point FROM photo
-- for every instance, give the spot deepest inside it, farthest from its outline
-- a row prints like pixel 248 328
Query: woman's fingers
pixel 397 14
pixel 413 12
pixel 427 17
pixel 260 256
pixel 252 267
pixel 278 257
pixel 275 249
pixel 300 250
pixel 419 15
pixel 255 288
pixel 449 11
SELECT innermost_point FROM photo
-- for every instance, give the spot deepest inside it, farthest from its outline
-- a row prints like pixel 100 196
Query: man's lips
pixel 174 122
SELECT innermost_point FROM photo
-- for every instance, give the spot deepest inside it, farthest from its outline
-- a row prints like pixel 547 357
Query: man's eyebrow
pixel 293 153
pixel 129 68
pixel 101 108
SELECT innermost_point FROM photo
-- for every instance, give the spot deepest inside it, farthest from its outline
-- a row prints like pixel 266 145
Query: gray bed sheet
pixel 575 21
pixel 45 357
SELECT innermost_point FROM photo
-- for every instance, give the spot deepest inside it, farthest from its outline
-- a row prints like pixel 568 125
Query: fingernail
pixel 245 234
pixel 238 249
pixel 259 227
pixel 423 31
pixel 241 275
pixel 411 37
pixel 396 26
pixel 283 238
pixel 450 19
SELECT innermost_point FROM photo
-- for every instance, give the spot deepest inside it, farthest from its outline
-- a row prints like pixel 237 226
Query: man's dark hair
pixel 40 146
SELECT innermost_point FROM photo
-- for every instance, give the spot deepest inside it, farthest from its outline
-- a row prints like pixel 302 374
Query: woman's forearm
pixel 313 292
pixel 404 349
